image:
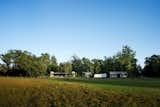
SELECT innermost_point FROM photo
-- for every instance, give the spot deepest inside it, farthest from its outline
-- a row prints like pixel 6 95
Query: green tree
pixel 77 65
pixel 67 67
pixel 3 69
pixel 23 63
pixel 53 66
pixel 152 66
pixel 86 64
pixel 127 61
pixel 7 59
pixel 97 65
pixel 108 64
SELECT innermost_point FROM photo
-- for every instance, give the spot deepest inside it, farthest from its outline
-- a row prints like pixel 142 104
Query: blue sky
pixel 90 28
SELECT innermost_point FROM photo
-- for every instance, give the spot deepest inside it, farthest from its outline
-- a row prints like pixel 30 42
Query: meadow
pixel 79 92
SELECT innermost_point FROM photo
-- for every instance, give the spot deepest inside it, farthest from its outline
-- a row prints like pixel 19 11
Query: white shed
pixel 102 75
pixel 87 74
pixel 73 74
pixel 51 73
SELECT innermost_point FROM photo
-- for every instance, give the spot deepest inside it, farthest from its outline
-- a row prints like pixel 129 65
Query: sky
pixel 86 28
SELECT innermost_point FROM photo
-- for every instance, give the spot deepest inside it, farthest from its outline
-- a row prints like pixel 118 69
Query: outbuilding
pixel 101 75
pixel 58 74
pixel 62 74
pixel 118 74
pixel 87 74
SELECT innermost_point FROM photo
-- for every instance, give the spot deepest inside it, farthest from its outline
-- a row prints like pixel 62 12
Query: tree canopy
pixel 152 66
pixel 24 63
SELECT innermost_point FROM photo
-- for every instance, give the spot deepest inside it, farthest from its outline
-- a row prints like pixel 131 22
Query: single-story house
pixel 101 75
pixel 118 74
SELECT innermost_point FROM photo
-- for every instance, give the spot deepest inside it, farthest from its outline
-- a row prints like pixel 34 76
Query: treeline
pixel 24 63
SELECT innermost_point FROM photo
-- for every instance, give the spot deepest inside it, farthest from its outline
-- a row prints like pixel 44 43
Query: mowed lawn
pixel 78 92
pixel 132 86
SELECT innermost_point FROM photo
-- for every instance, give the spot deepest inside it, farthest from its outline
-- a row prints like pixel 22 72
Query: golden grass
pixel 33 92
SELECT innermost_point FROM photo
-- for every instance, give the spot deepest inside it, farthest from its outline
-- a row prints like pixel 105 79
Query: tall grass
pixel 33 92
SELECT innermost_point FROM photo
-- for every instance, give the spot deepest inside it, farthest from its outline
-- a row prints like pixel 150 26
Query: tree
pixel 67 67
pixel 108 64
pixel 123 61
pixel 152 66
pixel 97 65
pixel 138 71
pixel 53 60
pixel 23 63
pixel 86 65
pixel 12 62
pixel 77 65
pixel 126 60
pixel 7 59
pixel 3 69
pixel 53 66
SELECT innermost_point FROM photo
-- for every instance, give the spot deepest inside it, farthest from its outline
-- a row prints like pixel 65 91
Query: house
pixel 118 74
pixel 102 75
pixel 87 74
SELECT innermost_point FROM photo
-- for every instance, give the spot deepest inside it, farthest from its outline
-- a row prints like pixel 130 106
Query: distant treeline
pixel 24 63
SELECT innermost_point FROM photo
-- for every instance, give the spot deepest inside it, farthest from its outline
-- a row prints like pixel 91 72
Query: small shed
pixel 73 74
pixel 58 74
pixel 118 74
pixel 87 74
pixel 102 75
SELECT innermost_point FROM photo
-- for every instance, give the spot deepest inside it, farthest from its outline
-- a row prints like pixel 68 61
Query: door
pixel 118 75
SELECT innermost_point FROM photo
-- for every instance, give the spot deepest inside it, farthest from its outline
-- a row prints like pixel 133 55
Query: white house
pixel 118 74
pixel 102 75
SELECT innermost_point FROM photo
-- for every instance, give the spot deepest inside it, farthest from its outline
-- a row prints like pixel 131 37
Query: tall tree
pixel 23 63
pixel 67 67
pixel 77 65
pixel 152 66
pixel 127 60
pixel 53 66
pixel 3 69
pixel 7 59
pixel 86 64
pixel 108 64
pixel 97 65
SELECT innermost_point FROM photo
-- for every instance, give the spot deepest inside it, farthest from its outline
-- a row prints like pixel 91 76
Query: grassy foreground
pixel 33 92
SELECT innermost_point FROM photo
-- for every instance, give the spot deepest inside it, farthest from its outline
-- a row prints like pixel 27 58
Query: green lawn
pixel 133 86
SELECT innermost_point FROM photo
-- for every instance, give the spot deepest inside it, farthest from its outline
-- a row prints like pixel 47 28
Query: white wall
pixel 104 75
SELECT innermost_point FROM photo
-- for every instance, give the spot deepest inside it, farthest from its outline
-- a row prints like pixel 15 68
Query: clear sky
pixel 90 28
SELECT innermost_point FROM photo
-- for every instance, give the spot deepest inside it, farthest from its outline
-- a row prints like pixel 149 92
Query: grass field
pixel 139 86
pixel 68 92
